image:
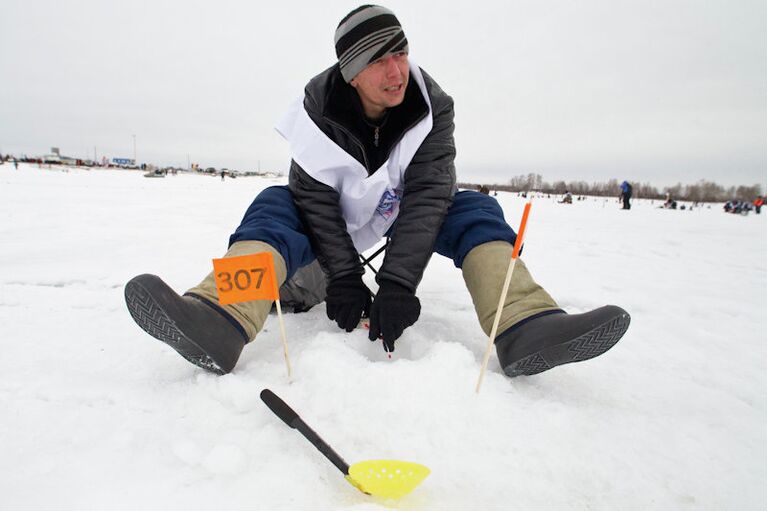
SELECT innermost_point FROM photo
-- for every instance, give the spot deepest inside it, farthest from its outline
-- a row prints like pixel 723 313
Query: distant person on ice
pixel 626 192
pixel 392 177
pixel 669 203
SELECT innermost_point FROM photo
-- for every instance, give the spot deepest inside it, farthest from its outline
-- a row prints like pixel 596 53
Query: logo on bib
pixel 388 204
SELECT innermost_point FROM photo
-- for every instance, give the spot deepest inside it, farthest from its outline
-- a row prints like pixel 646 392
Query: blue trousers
pixel 473 219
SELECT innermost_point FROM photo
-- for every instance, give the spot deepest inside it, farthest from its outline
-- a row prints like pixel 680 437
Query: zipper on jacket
pixel 351 136
pixel 375 136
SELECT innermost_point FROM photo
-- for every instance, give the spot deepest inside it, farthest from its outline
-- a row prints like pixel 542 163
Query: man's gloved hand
pixel 394 309
pixel 347 299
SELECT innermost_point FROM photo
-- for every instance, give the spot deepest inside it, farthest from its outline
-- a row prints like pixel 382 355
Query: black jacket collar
pixel 342 106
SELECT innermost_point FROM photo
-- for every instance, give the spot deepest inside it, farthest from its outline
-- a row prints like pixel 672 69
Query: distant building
pixel 124 162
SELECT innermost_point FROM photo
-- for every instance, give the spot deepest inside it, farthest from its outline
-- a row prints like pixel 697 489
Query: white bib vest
pixel 369 204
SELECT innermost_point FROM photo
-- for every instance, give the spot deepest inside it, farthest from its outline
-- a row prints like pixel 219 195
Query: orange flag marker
pixel 246 278
pixel 509 272
pixel 250 277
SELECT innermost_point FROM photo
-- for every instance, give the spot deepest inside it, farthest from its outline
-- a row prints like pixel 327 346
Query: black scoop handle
pixel 291 418
pixel 279 407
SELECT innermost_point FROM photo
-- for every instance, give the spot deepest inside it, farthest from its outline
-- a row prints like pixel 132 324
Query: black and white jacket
pixel 349 194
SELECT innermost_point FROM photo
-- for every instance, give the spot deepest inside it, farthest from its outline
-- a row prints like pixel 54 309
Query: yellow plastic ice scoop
pixel 381 478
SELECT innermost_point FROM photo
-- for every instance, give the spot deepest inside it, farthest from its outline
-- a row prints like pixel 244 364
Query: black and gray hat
pixel 365 35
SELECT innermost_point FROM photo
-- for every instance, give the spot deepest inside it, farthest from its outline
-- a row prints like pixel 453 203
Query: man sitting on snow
pixel 372 157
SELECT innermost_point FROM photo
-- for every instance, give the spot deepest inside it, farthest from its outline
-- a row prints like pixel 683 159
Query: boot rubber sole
pixel 589 345
pixel 151 317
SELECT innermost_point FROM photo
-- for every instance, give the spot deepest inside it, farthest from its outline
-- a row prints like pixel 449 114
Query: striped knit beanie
pixel 365 35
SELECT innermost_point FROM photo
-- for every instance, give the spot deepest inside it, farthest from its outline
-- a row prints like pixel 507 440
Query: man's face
pixel 382 84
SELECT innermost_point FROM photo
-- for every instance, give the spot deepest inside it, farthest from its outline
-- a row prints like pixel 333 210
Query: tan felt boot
pixel 251 315
pixel 201 330
pixel 484 271
pixel 532 338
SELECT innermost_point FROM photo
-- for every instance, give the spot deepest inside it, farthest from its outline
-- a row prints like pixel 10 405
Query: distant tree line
pixel 702 191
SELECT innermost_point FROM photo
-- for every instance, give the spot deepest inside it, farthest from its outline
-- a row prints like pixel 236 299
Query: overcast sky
pixel 658 91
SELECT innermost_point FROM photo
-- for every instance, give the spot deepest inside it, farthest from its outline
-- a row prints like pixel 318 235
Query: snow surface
pixel 96 414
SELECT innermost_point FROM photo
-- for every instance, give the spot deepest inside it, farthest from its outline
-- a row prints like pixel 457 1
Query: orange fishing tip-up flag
pixel 246 278
pixel 521 233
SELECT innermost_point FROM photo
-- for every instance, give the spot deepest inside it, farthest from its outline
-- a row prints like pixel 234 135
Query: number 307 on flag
pixel 245 278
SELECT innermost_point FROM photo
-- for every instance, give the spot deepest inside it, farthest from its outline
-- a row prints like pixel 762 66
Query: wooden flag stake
pixel 502 300
pixel 284 337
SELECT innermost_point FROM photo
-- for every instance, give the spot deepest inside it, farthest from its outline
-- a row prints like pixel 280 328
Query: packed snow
pixel 96 414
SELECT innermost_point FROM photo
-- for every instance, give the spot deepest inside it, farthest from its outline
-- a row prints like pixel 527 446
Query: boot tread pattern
pixel 589 345
pixel 154 321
